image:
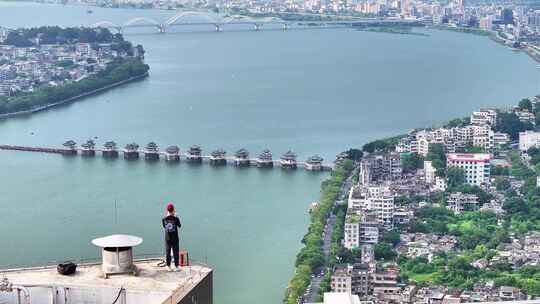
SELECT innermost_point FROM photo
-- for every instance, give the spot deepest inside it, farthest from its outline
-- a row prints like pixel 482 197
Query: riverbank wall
pixel 74 98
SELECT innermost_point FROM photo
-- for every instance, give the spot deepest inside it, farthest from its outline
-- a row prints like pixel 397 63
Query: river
pixel 313 91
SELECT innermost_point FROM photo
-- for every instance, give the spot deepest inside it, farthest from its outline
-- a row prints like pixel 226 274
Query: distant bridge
pixel 191 18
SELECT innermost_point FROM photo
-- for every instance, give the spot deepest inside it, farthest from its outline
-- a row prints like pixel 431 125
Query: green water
pixel 313 91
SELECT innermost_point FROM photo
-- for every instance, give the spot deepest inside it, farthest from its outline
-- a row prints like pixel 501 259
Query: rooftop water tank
pixel 117 253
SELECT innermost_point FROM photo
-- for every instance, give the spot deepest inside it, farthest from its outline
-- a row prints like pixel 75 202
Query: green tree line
pixel 116 71
pixel 311 256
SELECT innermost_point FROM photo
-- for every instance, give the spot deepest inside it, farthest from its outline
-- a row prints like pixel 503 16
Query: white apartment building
pixel 465 134
pixel 360 230
pixel 528 139
pixel 484 116
pixel 483 137
pixel 525 116
pixel 351 238
pixel 378 200
pixel 440 184
pixel 407 144
pixel 429 172
pixel 423 146
pixel 500 138
pixel 475 165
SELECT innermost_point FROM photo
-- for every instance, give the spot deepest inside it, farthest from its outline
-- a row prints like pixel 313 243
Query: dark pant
pixel 174 246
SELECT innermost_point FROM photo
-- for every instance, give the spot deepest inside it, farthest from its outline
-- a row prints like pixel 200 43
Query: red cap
pixel 170 207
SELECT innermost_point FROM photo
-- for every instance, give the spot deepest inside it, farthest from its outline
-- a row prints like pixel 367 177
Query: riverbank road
pixel 312 292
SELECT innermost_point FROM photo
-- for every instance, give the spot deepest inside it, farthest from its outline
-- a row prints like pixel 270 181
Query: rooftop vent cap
pixel 117 253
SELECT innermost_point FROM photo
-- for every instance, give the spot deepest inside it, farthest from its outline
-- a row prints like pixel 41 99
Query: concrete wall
pixel 202 293
pixel 44 295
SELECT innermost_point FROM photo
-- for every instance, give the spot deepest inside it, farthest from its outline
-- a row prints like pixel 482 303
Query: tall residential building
pixel 528 139
pixel 354 279
pixel 341 280
pixel 380 167
pixel 483 137
pixel 385 287
pixel 407 144
pixel 476 166
pixel 373 200
pixel 429 172
pixel 423 146
pixel 360 229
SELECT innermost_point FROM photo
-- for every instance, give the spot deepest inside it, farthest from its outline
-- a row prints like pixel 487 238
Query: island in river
pixel 47 66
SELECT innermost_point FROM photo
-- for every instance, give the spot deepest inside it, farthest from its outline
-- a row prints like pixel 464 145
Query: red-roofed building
pixel 475 165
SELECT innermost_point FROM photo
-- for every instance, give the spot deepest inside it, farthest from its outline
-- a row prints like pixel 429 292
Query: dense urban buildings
pixel 429 209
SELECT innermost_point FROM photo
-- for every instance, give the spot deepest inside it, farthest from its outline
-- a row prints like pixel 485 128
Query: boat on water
pixel 89 11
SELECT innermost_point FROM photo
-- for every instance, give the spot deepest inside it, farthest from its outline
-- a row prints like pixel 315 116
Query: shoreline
pixel 74 98
pixel 494 36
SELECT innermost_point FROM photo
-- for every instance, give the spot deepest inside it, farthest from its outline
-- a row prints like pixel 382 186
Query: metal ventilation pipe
pixel 7 286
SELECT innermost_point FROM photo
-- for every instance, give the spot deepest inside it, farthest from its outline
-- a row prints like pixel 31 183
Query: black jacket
pixel 171 224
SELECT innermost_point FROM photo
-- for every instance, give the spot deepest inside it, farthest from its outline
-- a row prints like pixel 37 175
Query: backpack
pixel 66 268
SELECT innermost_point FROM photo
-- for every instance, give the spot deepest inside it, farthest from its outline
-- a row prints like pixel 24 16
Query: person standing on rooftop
pixel 171 224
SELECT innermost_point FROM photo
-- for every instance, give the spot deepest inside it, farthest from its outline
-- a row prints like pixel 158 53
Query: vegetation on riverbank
pixel 311 256
pixel 116 71
pixel 399 30
pixel 382 145
pixel 468 30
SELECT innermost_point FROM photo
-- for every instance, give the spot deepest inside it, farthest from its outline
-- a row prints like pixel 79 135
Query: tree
pixel 515 205
pixel 500 170
pixel 457 122
pixel 509 123
pixel 384 251
pixel 437 157
pixel 411 162
pixel 502 184
pixel 455 177
pixel 383 145
pixel 391 237
pixel 355 154
pixel 525 104
pixel 473 149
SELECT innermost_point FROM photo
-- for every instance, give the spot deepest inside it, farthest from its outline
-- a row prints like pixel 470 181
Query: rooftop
pixel 468 156
pixel 153 284
pixel 340 298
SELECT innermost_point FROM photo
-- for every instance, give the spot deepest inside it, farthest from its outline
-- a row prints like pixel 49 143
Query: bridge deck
pixel 228 159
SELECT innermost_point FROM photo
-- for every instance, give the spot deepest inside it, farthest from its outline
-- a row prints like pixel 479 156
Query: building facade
pixel 476 167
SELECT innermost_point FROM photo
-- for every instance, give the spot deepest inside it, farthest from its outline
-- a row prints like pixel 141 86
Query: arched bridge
pixel 186 18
